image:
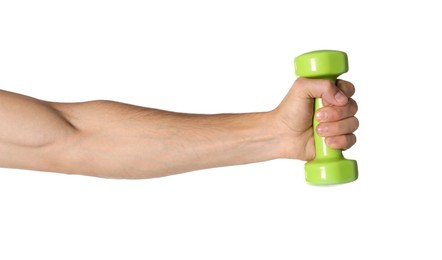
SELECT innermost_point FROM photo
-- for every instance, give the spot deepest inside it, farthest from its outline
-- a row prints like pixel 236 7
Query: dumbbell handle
pixel 323 152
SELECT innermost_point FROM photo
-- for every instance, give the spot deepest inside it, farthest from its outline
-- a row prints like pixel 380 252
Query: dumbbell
pixel 329 166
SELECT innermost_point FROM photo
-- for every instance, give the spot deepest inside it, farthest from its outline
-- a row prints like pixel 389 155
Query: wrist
pixel 289 143
pixel 280 140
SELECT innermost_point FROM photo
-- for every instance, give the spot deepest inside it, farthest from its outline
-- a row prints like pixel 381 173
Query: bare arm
pixel 116 140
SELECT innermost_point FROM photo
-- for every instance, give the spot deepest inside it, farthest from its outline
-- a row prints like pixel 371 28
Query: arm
pixel 116 140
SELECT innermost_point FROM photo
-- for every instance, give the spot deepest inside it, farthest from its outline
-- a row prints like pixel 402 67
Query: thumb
pixel 321 88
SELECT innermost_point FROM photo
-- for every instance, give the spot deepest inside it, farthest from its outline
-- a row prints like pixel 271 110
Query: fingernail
pixel 321 115
pixel 321 129
pixel 329 141
pixel 340 97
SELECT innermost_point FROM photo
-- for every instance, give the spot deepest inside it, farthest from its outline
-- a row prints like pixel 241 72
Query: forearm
pixel 123 141
pixel 191 142
pixel 115 140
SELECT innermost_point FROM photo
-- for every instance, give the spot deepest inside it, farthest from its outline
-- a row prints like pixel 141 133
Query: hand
pixel 337 120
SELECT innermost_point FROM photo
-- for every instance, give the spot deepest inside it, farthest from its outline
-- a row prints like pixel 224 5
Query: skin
pixel 115 140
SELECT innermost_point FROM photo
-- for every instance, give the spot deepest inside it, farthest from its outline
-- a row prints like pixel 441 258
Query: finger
pixel 321 88
pixel 342 127
pixel 335 113
pixel 347 87
pixel 342 142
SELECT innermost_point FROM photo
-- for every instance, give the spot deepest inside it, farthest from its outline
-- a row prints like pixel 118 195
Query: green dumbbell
pixel 329 166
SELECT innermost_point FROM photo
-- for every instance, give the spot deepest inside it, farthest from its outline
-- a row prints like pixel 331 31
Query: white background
pixel 229 56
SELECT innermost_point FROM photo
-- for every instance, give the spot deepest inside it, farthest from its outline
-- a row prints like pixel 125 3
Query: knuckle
pixel 341 142
pixel 351 140
pixel 347 87
pixel 351 86
pixel 356 123
pixel 353 106
pixel 355 139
